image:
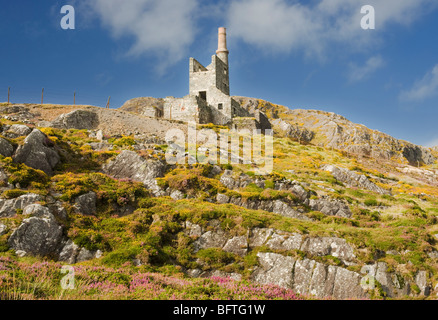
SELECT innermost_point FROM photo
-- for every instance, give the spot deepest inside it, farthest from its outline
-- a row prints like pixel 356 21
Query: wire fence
pixel 14 95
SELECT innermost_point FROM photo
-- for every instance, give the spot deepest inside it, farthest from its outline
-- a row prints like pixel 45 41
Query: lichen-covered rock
pixel 353 179
pixel 277 206
pixel 421 282
pixel 37 152
pixel 331 207
pixel 36 210
pixel 69 252
pixel 177 195
pixel 222 198
pixel 275 269
pixel 192 229
pixel 259 236
pixel 3 229
pixel 86 204
pixel 39 235
pixel 294 131
pixel 211 239
pixel 325 246
pixel 392 284
pixel 237 245
pixel 231 182
pixel 284 241
pixel 308 277
pixel 285 210
pixel 128 164
pixel 77 119
pixel 18 130
pixel 8 208
pixel 6 149
pixel 72 253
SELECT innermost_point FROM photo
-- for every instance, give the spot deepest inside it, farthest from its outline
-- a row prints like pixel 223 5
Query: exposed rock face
pixel 336 131
pixel 129 164
pixel 72 253
pixel 308 277
pixel 176 195
pixel 331 207
pixel 272 239
pixel 417 155
pixel 77 119
pixel 277 206
pixel 6 149
pixel 37 152
pixel 421 282
pixel 392 284
pixel 86 204
pixel 151 107
pixel 39 235
pixel 353 179
pixel 18 130
pixel 332 246
pixel 305 276
pixel 229 180
pixel 8 208
pixel 295 132
pixel 3 229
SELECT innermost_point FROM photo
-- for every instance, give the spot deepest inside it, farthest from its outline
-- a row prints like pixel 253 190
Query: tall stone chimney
pixel 222 51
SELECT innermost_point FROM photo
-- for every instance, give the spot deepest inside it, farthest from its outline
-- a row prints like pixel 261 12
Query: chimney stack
pixel 222 51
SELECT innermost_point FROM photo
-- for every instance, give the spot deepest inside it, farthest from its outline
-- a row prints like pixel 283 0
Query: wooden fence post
pixel 108 103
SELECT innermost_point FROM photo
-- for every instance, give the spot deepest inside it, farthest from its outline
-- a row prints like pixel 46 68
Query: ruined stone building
pixel 209 99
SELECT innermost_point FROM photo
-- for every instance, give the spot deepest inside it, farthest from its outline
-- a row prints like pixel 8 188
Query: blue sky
pixel 301 54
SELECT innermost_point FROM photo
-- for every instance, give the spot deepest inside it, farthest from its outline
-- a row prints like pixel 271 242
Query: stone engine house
pixel 209 99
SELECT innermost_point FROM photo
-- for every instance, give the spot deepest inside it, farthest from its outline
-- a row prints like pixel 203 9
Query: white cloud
pixel 163 27
pixel 423 89
pixel 358 73
pixel 282 25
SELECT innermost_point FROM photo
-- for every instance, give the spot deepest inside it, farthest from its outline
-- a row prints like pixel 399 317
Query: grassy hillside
pixel 145 252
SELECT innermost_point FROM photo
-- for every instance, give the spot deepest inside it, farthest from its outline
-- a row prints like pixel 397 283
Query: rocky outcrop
pixel 17 130
pixel 6 149
pixel 335 131
pixel 281 207
pixel 272 239
pixel 294 131
pixel 353 179
pixel 331 207
pixel 8 208
pixel 151 107
pixel 233 182
pixel 3 229
pixel 37 152
pixel 417 155
pixel 39 235
pixel 77 119
pixel 86 204
pixel 305 276
pixel 128 164
pixel 72 253
pixel 308 277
